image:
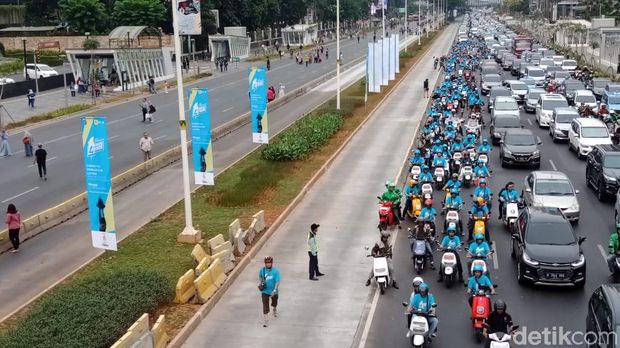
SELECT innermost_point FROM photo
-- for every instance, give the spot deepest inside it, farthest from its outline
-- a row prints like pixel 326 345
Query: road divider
pixel 140 335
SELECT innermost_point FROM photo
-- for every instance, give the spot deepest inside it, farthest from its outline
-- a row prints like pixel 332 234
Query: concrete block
pixel 224 246
pixel 215 242
pixel 248 236
pixel 199 254
pixel 232 230
pixel 238 245
pixel 137 335
pixel 160 337
pixel 185 287
pixel 203 265
pixel 226 258
pixel 216 272
pixel 258 221
pixel 204 285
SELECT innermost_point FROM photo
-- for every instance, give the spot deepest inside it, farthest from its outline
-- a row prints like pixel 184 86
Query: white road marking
pixel 48 160
pixel 125 118
pixel 21 194
pixel 62 138
pixel 600 248
pixel 553 165
pixel 160 137
pixel 495 257
pixel 530 122
pixel 110 157
pixel 114 137
pixel 228 109
pixel 156 122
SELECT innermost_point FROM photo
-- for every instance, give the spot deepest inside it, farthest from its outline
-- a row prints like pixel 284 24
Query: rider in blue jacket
pixel 453 242
pixel 426 175
pixel 428 213
pixel 423 303
pixel 457 145
pixel 481 170
pixel 485 147
pixel 476 280
pixel 455 201
pixel 417 159
pixel 483 191
pixel 507 194
pixel 439 160
pixel 479 210
pixel 412 189
pixel 469 140
pixel 437 147
pixel 454 182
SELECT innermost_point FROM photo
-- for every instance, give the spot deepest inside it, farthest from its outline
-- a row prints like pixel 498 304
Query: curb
pixel 205 309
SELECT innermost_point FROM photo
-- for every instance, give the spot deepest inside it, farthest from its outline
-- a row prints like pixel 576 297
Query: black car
pixel 604 315
pixel 603 170
pixel 570 86
pixel 520 147
pixel 546 249
pixel 501 123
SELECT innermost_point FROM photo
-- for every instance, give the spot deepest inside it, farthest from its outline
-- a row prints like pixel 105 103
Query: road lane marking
pixel 530 122
pixel 156 122
pixel 113 137
pixel 48 160
pixel 110 157
pixel 553 165
pixel 62 138
pixel 228 109
pixel 125 118
pixel 495 258
pixel 160 137
pixel 600 248
pixel 21 194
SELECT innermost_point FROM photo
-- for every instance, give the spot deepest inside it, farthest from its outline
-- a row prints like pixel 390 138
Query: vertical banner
pixel 378 69
pixel 392 58
pixel 258 105
pixel 397 56
pixel 98 182
pixel 385 61
pixel 370 69
pixel 189 17
pixel 202 148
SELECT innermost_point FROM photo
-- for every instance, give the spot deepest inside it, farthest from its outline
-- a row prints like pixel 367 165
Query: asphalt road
pixel 20 184
pixel 533 308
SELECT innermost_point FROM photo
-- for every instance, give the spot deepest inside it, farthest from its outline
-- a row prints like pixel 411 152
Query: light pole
pixel 406 20
pixel 26 70
pixel 338 55
pixel 419 21
pixel 426 19
pixel 189 234
pixel 383 18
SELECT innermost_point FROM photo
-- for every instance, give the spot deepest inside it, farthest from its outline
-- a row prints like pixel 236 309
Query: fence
pixel 45 84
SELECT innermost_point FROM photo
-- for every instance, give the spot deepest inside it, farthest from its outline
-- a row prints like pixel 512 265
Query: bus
pixel 521 43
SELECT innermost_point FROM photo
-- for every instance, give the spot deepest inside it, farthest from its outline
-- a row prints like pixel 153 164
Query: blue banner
pixel 258 105
pixel 202 148
pixel 98 182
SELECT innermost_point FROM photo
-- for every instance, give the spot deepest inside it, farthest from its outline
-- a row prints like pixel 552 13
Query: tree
pixel 139 12
pixel 291 11
pixel 90 44
pixel 41 12
pixel 84 15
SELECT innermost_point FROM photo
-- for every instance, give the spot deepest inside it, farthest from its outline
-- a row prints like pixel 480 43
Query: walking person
pixel 14 223
pixel 5 148
pixel 145 108
pixel 27 141
pixel 269 282
pixel 426 88
pixel 221 65
pixel 146 145
pixel 326 53
pixel 72 88
pixel 166 86
pixel 225 64
pixel 313 249
pixel 30 97
pixel 40 158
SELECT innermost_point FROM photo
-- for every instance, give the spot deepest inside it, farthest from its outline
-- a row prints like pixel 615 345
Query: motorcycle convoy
pixel 451 156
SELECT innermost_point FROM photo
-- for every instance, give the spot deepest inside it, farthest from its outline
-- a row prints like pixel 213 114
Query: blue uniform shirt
pixel 484 148
pixel 421 303
pixel 484 192
pixel 481 170
pixel 451 243
pixel 474 283
pixel 509 195
pixel 412 190
pixel 270 277
pixel 479 211
pixel 481 249
pixel 428 213
pixel 428 176
pixel 439 162
pixel 454 202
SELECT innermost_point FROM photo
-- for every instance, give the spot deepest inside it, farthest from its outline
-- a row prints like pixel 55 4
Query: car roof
pixel 504 98
pixel 532 89
pixel 584 91
pixel 553 97
pixel 519 131
pixel 549 174
pixel 492 74
pixel 589 122
pixel 566 110
pixel 609 148
pixel 545 214
pixel 534 67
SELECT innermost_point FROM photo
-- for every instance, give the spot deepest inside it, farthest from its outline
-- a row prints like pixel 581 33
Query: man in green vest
pixel 313 249
pixel 614 249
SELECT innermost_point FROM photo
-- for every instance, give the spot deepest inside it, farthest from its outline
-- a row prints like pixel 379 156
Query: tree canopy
pixel 84 15
pixel 139 12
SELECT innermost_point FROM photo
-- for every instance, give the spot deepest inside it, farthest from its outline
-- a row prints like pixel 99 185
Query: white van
pixel 536 73
pixel 585 133
pixel 545 106
pixel 42 70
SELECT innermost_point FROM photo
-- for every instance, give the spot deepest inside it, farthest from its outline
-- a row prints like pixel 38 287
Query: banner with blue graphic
pixel 98 182
pixel 392 57
pixel 202 148
pixel 258 105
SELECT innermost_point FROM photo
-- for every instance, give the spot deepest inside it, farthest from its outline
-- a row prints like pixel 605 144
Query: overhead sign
pixel 98 182
pixel 189 17
pixel 258 105
pixel 202 147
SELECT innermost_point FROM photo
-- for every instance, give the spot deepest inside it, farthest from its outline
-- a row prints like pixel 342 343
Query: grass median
pixel 154 260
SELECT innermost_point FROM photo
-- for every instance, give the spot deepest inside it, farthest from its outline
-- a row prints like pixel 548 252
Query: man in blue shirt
pixel 417 159
pixel 478 210
pixel 454 182
pixel 426 175
pixel 507 194
pixel 481 170
pixel 424 303
pixel 452 242
pixel 485 147
pixel 269 282
pixel 455 201
pixel 483 191
pixel 439 161
pixel 476 281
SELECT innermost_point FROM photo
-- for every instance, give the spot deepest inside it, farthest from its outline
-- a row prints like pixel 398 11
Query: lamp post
pixel 419 21
pixel 383 18
pixel 26 70
pixel 338 55
pixel 406 22
pixel 189 234
pixel 426 19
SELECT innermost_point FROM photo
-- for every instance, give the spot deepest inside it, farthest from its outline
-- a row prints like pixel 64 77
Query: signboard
pixel 236 59
pixel 42 45
pixel 371 76
pixel 401 10
pixel 258 105
pixel 202 147
pixel 189 17
pixel 385 61
pixel 397 54
pixel 392 57
pixel 98 182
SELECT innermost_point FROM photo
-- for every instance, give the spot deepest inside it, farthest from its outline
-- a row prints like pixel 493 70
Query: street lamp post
pixel 426 19
pixel 406 20
pixel 383 17
pixel 419 21
pixel 26 70
pixel 338 55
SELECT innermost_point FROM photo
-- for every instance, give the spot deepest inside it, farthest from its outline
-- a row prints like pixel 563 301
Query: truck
pixel 520 44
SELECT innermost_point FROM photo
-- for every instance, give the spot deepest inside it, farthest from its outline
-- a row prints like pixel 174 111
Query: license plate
pixel 555 275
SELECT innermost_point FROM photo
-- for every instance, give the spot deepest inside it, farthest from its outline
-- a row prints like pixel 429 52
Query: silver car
pixel 554 190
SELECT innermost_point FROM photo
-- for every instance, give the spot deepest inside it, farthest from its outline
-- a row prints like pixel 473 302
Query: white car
pixel 546 104
pixel 42 70
pixel 586 97
pixel 561 122
pixel 569 65
pixel 536 73
pixel 584 133
pixel 6 80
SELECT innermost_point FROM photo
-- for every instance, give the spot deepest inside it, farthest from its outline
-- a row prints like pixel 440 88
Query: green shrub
pixel 11 67
pixel 90 312
pixel 305 136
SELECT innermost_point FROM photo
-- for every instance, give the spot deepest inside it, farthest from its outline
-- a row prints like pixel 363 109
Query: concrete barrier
pixel 184 290
pixel 160 336
pixel 138 335
pixel 248 235
pixel 258 222
pixel 217 273
pixel 203 265
pixel 235 236
pixel 227 259
pixel 205 286
pixel 199 254
pixel 224 246
pixel 215 242
pixel 232 230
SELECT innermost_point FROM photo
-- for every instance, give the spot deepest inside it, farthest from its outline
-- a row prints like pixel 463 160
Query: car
pixel 552 189
pixel 552 69
pixel 42 70
pixel 570 86
pixel 603 170
pixel 545 63
pixel 559 76
pixel 560 123
pixel 6 80
pixel 612 88
pixel 598 86
pixel 516 66
pixel 558 59
pixel 585 133
pixel 530 82
pixel 507 61
pixel 545 106
pixel 587 98
pixel 569 65
pixel 497 91
pixel 612 100
pixel 519 90
pixel 531 98
pixel 535 58
pixel 489 81
pixel 603 318
pixel 546 249
pixel 500 124
pixel 504 105
pixel 536 73
pixel 519 147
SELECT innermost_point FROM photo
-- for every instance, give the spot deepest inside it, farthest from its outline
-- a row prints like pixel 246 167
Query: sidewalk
pixel 329 312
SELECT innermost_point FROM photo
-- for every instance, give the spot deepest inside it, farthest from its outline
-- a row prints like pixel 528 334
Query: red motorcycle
pixel 386 215
pixel 480 310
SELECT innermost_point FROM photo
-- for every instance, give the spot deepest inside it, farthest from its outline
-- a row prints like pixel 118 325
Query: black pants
pixel 42 169
pixel 14 237
pixel 144 114
pixel 501 209
pixel 313 267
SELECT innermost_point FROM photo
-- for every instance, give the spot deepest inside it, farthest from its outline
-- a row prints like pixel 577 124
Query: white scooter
pixel 467 175
pixel 427 191
pixel 415 172
pixel 511 213
pixel 381 273
pixel 418 328
pixel 439 175
pixel 500 339
pixel 484 158
pixel 448 266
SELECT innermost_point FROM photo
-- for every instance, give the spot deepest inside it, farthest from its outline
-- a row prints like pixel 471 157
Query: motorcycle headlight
pixel 609 178
pixel 529 260
pixel 536 153
pixel 580 262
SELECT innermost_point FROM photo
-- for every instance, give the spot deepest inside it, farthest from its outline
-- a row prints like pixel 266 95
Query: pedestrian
pixel 341 56
pixel 30 97
pixel 326 53
pixel 269 282
pixel 221 65
pixel 288 46
pixel 426 88
pixel 268 64
pixel 225 64
pixel 166 86
pixel 313 249
pixel 145 108
pixel 152 88
pixel 146 145
pixel 5 148
pixel 14 222
pixel 40 159
pixel 72 88
pixel 27 141
pixel 374 37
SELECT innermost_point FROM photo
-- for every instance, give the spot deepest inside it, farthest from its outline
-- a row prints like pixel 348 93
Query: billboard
pixel 385 61
pixel 378 68
pixel 392 57
pixel 189 17
pixel 258 105
pixel 202 147
pixel 98 182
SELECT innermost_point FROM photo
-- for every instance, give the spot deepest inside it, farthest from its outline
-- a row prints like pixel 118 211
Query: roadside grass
pixel 251 185
pixel 50 115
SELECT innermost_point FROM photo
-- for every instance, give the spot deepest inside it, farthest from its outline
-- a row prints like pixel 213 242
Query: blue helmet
pixel 485 141
pixel 437 141
pixel 478 236
pixel 483 181
pixel 417 151
pixel 478 268
pixel 451 228
pixel 423 286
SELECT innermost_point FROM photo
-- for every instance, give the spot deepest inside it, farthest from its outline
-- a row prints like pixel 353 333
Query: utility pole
pixel 419 22
pixel 406 20
pixel 338 55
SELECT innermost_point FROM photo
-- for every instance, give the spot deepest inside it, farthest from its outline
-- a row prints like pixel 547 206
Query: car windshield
pixel 549 233
pixel 574 85
pixel 553 187
pixel 594 132
pixel 507 122
pixel 613 99
pixel 518 87
pixel 506 105
pixel 499 92
pixel 562 75
pixel 534 95
pixel 585 98
pixel 546 61
pixel 45 68
pixel 528 81
pixel 600 83
pixel 565 118
pixel 536 73
pixel 520 139
pixel 612 161
pixel 492 78
pixel 552 104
